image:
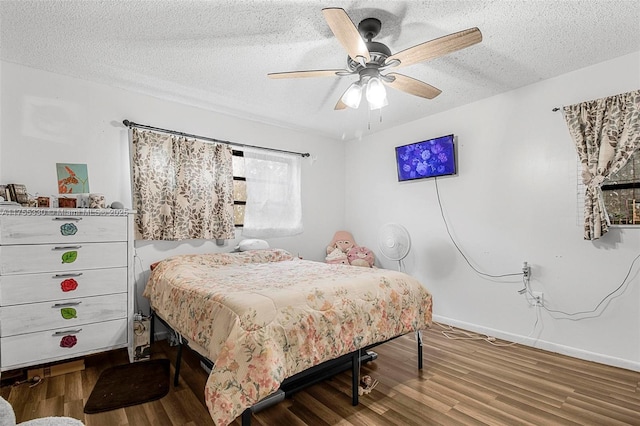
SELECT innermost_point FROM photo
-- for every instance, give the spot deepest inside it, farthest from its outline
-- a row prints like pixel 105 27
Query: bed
pixel 263 316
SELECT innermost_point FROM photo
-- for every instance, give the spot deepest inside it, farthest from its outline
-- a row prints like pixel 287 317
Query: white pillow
pixel 252 244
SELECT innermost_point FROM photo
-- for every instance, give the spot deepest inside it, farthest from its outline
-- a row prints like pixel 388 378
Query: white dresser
pixel 66 284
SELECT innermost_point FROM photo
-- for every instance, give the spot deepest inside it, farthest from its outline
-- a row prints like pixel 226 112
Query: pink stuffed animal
pixel 342 240
pixel 360 256
pixel 337 256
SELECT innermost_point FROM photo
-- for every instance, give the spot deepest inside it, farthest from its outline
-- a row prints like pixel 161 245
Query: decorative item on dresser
pixel 18 193
pixel 66 284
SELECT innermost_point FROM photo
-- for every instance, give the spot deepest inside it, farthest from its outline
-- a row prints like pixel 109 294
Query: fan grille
pixel 394 241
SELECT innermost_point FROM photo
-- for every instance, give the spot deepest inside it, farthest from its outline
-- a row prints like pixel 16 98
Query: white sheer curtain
pixel 274 205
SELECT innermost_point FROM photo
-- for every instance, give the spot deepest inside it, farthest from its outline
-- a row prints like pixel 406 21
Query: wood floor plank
pixel 136 415
pixel 463 382
pixel 174 408
pixel 156 414
pixel 74 409
pixel 325 414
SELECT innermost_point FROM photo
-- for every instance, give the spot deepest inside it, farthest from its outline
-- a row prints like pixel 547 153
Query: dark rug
pixel 130 384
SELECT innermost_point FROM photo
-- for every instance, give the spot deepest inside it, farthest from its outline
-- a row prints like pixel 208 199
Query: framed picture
pixel 18 193
pixel 72 178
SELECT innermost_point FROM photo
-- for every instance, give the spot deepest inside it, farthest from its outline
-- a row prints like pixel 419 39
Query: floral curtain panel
pixel 182 188
pixel 606 133
pixel 274 203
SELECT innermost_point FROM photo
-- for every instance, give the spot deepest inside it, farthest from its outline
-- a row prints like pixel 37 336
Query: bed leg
pixel 246 417
pixel 176 378
pixel 419 339
pixel 152 326
pixel 355 376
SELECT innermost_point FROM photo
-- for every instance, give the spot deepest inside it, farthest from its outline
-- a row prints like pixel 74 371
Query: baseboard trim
pixel 542 344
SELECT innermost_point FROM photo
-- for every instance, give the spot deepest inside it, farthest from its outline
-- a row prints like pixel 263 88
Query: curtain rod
pixel 131 124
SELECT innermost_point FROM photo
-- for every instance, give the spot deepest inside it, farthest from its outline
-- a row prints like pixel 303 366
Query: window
pixel 239 188
pixel 621 193
pixel 273 194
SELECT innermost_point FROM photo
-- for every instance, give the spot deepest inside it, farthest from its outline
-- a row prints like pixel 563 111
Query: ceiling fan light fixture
pixel 353 95
pixel 376 94
pixel 367 58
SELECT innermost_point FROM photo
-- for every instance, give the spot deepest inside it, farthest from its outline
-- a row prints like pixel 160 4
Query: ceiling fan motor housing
pixel 368 29
pixel 378 53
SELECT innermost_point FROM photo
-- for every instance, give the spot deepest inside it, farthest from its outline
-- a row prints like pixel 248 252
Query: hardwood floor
pixel 462 383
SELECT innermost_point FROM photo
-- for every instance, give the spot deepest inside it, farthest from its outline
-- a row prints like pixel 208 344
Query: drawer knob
pixel 68 341
pixel 68 256
pixel 68 285
pixel 68 229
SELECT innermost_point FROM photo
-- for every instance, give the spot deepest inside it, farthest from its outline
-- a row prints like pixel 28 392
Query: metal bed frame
pixel 301 380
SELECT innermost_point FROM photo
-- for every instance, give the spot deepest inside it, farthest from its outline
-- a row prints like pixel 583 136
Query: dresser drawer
pixel 62 343
pixel 29 288
pixel 61 229
pixel 25 259
pixel 71 313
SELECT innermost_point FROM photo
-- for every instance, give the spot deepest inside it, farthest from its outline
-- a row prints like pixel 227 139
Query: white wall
pixel 49 118
pixel 513 200
pixel 514 197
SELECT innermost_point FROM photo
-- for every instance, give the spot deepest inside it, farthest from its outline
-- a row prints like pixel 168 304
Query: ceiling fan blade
pixel 437 47
pixel 412 86
pixel 306 74
pixel 346 33
pixel 340 105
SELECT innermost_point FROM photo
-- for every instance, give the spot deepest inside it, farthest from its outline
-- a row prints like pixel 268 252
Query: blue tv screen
pixel 426 159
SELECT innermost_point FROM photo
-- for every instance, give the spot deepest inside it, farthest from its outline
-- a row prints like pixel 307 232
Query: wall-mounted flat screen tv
pixel 426 159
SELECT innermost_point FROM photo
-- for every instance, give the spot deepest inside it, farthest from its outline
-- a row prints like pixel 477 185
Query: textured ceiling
pixel 216 54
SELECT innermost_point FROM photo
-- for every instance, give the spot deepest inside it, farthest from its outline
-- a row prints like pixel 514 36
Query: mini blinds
pixel 274 206
pixel 182 188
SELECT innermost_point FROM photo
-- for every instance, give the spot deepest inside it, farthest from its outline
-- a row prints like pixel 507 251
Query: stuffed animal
pixel 342 240
pixel 337 256
pixel 360 256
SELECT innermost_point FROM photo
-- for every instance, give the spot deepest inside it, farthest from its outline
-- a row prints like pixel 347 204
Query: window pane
pixel 238 165
pixel 238 213
pixel 617 205
pixel 620 191
pixel 239 190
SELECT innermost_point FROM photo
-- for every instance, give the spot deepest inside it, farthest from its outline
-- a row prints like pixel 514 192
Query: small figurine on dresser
pixel 96 201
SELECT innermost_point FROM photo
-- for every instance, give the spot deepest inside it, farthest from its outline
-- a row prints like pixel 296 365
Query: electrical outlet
pixel 538 298
pixel 526 270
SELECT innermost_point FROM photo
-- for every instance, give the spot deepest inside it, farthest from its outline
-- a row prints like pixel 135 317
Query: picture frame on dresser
pixel 66 284
pixel 18 193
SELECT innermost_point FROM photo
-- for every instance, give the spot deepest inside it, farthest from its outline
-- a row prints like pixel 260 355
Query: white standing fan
pixel 394 242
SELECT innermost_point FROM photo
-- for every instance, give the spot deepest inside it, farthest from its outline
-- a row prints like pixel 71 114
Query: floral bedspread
pixel 264 316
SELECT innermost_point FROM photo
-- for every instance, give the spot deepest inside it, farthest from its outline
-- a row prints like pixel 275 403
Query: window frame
pixel 238 153
pixel 633 184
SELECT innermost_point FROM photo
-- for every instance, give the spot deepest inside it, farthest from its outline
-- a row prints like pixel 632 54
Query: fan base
pixel 369 28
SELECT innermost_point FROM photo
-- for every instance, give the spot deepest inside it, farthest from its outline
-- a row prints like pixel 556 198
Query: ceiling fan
pixel 368 58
